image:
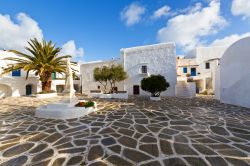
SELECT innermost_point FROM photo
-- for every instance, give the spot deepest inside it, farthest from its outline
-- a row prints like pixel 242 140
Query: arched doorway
pixel 29 89
pixel 5 91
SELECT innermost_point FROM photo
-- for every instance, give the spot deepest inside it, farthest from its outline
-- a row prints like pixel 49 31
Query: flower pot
pixel 155 98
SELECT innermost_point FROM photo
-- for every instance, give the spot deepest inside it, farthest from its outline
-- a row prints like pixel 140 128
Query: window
pixel 53 76
pixel 185 70
pixel 16 73
pixel 144 69
pixel 207 65
pixel 193 71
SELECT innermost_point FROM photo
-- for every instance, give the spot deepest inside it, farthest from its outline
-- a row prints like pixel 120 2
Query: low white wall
pixel 110 96
pixel 46 95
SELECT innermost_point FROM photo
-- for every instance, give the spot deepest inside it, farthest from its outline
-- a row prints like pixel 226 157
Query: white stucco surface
pixel 87 72
pixel 159 59
pixel 62 111
pixel 235 74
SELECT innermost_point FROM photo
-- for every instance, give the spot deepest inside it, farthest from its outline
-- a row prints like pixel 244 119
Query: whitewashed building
pixel 201 66
pixel 138 62
pixel 15 83
pixel 233 74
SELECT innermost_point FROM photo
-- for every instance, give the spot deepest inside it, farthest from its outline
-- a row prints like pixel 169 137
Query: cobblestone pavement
pixel 173 131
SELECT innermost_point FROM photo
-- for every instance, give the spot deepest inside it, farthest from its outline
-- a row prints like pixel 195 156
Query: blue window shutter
pixel 184 69
pixel 193 71
pixel 16 73
pixel 53 76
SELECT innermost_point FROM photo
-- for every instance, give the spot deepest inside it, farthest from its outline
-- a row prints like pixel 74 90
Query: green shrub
pixel 89 104
pixel 155 84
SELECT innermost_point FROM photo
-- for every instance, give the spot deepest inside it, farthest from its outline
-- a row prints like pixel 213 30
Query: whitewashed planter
pixel 105 96
pixel 94 95
pixel 46 95
pixel 114 96
pixel 120 95
pixel 63 111
pixel 155 98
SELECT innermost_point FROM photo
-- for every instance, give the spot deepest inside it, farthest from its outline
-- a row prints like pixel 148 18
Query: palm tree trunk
pixel 46 86
pixel 46 79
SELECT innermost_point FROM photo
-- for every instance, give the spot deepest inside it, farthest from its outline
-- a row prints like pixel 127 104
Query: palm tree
pixel 43 59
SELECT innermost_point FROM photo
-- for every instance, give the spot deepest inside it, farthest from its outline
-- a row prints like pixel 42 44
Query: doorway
pixel 193 71
pixel 28 90
pixel 136 89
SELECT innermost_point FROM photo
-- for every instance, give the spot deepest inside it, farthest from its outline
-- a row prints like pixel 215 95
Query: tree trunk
pixel 46 79
pixel 46 86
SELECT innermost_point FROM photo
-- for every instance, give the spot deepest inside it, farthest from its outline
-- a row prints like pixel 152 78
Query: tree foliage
pixel 117 74
pixel 43 58
pixel 111 75
pixel 102 75
pixel 155 84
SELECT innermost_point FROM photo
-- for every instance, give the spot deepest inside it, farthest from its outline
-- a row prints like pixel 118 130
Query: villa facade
pixel 15 83
pixel 138 62
pixel 201 67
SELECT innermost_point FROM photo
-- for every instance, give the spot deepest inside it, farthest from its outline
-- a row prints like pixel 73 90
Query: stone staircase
pixel 185 89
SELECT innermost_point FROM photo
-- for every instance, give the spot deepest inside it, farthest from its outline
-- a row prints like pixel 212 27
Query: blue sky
pixel 98 29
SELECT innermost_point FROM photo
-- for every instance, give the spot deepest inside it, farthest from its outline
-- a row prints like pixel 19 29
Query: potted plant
pixel 85 104
pixel 155 84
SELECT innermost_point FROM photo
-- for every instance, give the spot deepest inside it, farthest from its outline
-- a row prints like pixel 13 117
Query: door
pixel 28 90
pixel 193 71
pixel 136 89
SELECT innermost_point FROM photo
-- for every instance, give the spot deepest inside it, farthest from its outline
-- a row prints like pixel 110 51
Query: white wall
pixel 217 83
pixel 18 84
pixel 159 59
pixel 235 74
pixel 87 71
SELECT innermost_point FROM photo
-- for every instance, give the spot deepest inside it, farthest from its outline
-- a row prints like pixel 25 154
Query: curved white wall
pixel 5 90
pixel 235 74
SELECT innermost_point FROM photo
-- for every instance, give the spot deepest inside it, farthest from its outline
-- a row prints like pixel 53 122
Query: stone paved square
pixel 137 131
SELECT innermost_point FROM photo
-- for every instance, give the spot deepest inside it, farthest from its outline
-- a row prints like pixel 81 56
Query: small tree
pixel 155 84
pixel 117 74
pixel 111 75
pixel 102 75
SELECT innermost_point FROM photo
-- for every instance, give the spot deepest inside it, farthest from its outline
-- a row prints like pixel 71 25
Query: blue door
pixel 193 71
pixel 28 90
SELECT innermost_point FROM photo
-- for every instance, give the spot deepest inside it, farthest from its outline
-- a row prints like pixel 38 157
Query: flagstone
pixel 173 131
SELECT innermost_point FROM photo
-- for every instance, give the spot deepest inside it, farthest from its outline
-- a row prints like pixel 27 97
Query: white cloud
pixel 14 35
pixel 161 12
pixel 228 40
pixel 241 8
pixel 188 29
pixel 132 14
pixel 69 48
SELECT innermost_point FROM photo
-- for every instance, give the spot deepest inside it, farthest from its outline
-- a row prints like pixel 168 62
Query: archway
pixel 5 91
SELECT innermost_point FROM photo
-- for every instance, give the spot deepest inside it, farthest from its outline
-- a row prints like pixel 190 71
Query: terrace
pixel 174 131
